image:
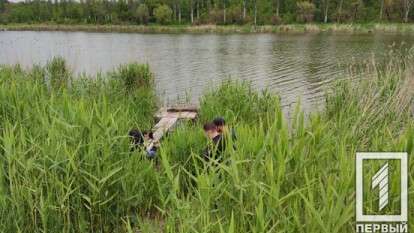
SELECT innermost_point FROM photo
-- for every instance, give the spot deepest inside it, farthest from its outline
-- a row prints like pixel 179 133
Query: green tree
pixel 142 14
pixel 356 7
pixel 206 11
pixel 2 5
pixel 305 11
pixel 163 14
pixel 325 5
pixel 407 4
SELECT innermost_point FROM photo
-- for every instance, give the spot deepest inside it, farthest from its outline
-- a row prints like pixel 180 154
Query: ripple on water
pixel 185 65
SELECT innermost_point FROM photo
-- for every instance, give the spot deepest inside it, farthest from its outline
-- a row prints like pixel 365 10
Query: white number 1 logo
pixel 380 180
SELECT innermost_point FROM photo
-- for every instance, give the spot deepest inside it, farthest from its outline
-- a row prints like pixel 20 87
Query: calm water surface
pixel 295 66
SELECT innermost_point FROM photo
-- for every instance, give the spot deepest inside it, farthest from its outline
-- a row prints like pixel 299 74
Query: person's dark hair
pixel 219 121
pixel 136 137
pixel 149 133
pixel 209 126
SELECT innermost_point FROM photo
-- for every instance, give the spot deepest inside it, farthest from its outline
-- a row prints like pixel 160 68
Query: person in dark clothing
pixel 150 146
pixel 217 146
pixel 137 139
pixel 143 141
pixel 223 129
pixel 220 124
pixel 148 135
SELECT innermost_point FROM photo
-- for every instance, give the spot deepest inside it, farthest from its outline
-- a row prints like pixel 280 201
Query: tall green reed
pixel 66 162
pixel 287 179
pixel 67 166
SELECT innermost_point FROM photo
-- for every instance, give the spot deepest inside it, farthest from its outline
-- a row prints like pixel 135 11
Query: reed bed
pixel 65 162
pixel 297 178
pixel 67 165
pixel 220 29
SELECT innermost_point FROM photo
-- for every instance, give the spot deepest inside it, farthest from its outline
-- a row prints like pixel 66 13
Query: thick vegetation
pixel 66 164
pixel 255 12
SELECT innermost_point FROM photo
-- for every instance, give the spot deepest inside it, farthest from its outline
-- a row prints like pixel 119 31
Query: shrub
pixel 163 14
pixel 276 20
pixel 247 19
pixel 3 19
pixel 235 15
pixel 57 73
pixel 340 16
pixel 216 16
pixel 142 14
pixel 134 76
pixel 237 101
pixel 305 11
pixel 38 74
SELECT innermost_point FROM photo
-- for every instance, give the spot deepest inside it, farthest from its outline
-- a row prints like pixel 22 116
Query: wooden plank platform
pixel 163 126
pixel 168 118
pixel 180 111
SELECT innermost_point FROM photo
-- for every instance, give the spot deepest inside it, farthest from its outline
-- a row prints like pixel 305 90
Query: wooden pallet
pixel 179 111
pixel 168 118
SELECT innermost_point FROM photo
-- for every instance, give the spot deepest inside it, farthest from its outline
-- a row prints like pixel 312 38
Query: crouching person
pixel 151 146
pixel 143 141
pixel 216 145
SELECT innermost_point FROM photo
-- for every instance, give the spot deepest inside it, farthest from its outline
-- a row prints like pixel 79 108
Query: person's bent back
pixel 216 145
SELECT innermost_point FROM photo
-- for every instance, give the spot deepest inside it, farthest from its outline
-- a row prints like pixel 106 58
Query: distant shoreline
pixel 228 29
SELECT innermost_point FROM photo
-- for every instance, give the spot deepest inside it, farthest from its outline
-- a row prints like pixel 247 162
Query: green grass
pixel 65 161
pixel 67 166
pixel 284 28
pixel 289 179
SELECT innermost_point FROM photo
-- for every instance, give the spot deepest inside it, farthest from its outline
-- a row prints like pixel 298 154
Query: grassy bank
pixel 294 28
pixel 66 165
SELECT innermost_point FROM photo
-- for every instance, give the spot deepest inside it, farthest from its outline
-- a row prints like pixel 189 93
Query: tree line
pixel 206 11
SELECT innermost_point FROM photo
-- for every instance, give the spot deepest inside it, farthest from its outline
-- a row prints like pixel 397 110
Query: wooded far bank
pixel 201 12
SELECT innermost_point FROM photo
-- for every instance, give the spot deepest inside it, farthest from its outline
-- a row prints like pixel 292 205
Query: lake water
pixel 297 66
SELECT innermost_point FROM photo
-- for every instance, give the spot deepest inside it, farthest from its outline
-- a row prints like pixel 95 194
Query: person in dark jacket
pixel 223 129
pixel 143 141
pixel 225 132
pixel 150 145
pixel 137 139
pixel 217 145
